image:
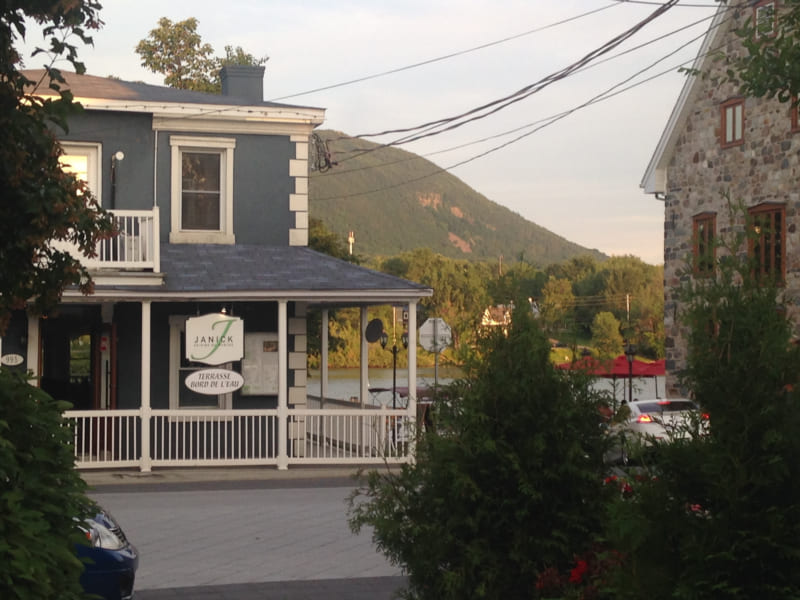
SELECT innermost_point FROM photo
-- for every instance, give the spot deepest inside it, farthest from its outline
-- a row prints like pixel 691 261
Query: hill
pixel 412 203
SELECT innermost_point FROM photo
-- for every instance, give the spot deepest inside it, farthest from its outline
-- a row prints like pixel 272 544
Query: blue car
pixel 111 560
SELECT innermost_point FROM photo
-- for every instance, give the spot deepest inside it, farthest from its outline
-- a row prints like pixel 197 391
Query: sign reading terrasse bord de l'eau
pixel 214 339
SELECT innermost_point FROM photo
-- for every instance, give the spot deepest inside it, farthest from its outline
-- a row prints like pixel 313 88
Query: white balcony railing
pixel 135 247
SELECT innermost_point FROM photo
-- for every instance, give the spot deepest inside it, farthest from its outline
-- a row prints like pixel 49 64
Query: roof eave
pixel 654 180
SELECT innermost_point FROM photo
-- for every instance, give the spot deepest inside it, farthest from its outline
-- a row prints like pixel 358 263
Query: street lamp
pixel 630 351
pixel 395 350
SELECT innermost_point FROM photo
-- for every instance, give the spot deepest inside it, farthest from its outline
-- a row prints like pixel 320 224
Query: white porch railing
pixel 186 438
pixel 135 247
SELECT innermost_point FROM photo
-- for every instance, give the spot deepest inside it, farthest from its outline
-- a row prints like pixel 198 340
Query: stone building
pixel 720 145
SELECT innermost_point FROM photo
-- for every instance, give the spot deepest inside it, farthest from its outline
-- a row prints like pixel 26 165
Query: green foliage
pixel 557 304
pixel 509 487
pixel 721 520
pixel 41 203
pixel 771 66
pixel 177 51
pixel 41 495
pixel 606 337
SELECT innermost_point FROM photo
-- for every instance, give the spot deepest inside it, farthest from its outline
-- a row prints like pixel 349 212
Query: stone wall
pixel 701 174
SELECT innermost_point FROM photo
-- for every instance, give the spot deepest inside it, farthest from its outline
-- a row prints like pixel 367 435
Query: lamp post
pixel 395 350
pixel 630 351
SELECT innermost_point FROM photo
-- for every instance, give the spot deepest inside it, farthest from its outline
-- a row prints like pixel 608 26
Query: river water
pixel 344 383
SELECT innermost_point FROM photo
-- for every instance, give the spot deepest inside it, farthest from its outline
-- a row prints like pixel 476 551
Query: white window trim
pixel 225 147
pixel 93 153
pixel 772 15
pixel 177 327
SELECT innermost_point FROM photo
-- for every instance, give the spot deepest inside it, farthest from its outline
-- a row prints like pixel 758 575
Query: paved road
pixel 285 540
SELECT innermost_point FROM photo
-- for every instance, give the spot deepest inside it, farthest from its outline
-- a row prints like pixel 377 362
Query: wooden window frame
pixel 770 264
pixel 757 7
pixel 704 254
pixel 725 107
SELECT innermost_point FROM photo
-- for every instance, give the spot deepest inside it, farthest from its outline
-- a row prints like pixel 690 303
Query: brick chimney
pixel 243 81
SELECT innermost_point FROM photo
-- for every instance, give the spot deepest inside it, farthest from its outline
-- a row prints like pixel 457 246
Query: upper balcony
pixel 134 248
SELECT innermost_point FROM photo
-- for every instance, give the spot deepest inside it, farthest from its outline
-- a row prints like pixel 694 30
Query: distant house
pixel 210 197
pixel 719 143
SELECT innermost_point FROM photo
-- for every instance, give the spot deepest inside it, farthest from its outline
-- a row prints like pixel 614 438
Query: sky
pixel 578 177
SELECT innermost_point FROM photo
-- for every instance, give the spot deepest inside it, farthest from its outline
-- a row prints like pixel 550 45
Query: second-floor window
pixel 768 241
pixel 704 228
pixel 202 189
pixel 764 18
pixel 732 132
pixel 83 161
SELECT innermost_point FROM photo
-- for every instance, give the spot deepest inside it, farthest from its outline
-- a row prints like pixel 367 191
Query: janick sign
pixel 214 339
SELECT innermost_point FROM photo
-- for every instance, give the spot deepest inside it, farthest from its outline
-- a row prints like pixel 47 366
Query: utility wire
pixel 538 121
pixel 439 126
pixel 542 124
pixel 448 56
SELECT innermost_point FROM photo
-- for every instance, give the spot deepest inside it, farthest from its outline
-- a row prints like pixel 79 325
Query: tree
pixel 41 494
pixel 41 203
pixel 511 488
pixel 557 303
pixel 177 51
pixel 606 336
pixel 716 516
pixel 770 66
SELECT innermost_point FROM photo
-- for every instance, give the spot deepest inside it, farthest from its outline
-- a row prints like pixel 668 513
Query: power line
pixel 542 123
pixel 546 120
pixel 448 56
pixel 439 126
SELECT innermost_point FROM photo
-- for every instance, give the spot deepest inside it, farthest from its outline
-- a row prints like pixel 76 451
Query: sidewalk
pixel 221 475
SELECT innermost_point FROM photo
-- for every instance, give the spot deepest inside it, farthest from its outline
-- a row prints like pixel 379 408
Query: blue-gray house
pixel 210 196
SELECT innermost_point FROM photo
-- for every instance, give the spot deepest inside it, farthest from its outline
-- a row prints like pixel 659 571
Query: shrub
pixel 509 487
pixel 41 495
pixel 720 519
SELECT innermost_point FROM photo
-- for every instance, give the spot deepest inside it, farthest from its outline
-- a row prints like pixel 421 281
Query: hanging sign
pixel 213 382
pixel 214 339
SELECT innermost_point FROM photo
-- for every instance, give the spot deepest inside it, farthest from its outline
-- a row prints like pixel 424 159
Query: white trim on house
pixel 223 147
pixel 654 180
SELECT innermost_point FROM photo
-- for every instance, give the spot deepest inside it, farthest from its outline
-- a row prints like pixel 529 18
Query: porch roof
pixel 240 271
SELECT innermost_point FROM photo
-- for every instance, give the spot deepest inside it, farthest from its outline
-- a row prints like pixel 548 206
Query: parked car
pixel 111 560
pixel 642 422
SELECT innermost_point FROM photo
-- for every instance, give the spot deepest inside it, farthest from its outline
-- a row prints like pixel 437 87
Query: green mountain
pixel 395 201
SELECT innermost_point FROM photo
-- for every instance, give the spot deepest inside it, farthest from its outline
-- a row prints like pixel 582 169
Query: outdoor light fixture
pixel 384 339
pixel 630 351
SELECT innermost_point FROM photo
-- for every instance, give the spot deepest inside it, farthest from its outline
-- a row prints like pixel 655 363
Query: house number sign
pixel 214 339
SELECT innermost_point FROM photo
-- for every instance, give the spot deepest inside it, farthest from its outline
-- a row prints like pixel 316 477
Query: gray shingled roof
pixel 90 86
pixel 245 268
pixel 294 272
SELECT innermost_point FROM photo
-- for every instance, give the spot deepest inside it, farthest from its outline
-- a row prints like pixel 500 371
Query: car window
pixel 666 406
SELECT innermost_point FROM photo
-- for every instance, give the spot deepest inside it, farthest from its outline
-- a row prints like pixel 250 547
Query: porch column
pixel 32 358
pixel 283 394
pixel 323 360
pixel 364 379
pixel 145 411
pixel 412 361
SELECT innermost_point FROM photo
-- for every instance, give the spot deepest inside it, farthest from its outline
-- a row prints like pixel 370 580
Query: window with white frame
pixel 732 130
pixel 765 18
pixel 180 396
pixel 202 189
pixel 83 161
